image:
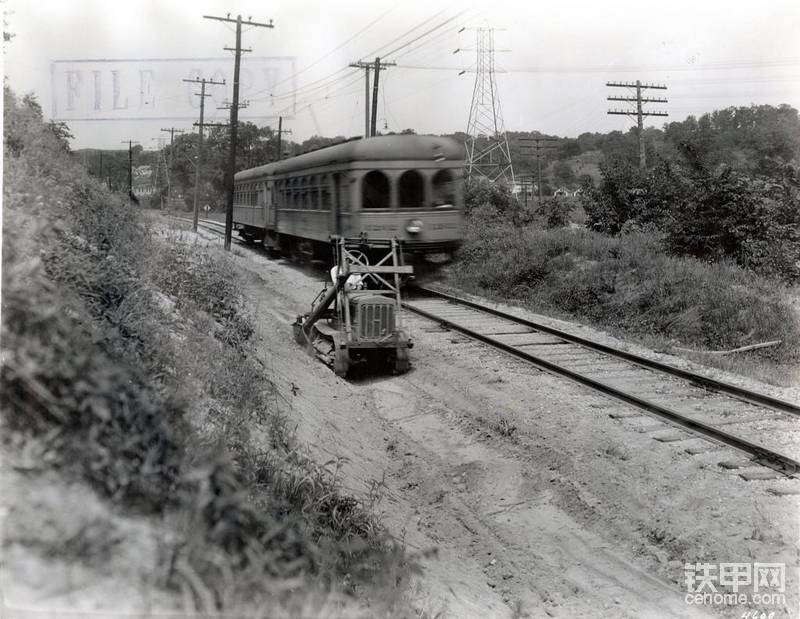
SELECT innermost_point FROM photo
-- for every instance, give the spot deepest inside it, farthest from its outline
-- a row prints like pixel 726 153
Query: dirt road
pixel 518 491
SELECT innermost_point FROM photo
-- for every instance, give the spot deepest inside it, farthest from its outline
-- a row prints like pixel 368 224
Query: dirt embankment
pixel 519 493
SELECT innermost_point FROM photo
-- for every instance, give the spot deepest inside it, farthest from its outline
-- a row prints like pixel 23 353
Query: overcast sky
pixel 710 54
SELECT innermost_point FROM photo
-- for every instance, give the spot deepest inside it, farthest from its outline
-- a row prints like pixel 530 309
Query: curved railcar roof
pixel 379 148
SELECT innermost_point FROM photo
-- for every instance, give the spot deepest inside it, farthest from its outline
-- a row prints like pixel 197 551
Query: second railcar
pixel 406 187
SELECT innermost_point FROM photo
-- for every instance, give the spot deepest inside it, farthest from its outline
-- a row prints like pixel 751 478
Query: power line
pixel 636 68
pixel 370 126
pixel 380 49
pixel 172 131
pixel 326 81
pixel 303 103
pixel 426 33
pixel 331 78
pixel 438 39
pixel 130 144
pixel 337 48
pixel 280 132
pixel 202 124
pixel 640 114
pixel 538 147
pixel 234 114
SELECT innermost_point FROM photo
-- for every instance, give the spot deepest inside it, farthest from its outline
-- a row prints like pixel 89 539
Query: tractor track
pixel 685 399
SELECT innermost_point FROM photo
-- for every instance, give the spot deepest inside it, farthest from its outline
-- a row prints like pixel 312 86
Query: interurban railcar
pixel 403 187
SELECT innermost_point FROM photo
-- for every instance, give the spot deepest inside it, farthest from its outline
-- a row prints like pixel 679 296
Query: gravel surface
pixel 519 492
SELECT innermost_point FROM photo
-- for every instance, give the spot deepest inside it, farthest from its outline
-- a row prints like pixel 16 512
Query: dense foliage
pixel 627 283
pixel 707 212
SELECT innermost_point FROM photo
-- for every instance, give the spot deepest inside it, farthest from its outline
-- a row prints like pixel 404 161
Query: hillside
pixel 149 460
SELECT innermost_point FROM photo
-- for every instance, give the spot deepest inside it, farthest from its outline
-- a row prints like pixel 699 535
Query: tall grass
pixel 627 283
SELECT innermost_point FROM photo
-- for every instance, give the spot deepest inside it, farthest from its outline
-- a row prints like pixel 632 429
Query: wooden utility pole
pixel 538 147
pixel 130 144
pixel 280 136
pixel 369 125
pixel 639 114
pixel 281 131
pixel 378 66
pixel 202 94
pixel 172 131
pixel 234 113
pixel 366 66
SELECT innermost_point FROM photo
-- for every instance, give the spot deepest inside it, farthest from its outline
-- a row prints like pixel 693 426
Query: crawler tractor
pixel 356 319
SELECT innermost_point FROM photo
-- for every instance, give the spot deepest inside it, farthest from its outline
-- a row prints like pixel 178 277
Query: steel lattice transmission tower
pixel 487 145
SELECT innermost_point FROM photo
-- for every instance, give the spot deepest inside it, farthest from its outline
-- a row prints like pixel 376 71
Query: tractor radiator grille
pixel 376 320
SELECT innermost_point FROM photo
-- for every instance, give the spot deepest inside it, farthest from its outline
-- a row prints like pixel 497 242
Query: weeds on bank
pixel 133 361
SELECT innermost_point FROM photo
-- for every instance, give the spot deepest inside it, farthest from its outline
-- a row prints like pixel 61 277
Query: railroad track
pixel 211 225
pixel 749 421
pixel 767 429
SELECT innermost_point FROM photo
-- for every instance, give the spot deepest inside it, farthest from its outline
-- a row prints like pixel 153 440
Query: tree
pixel 563 174
pixel 758 139
pixel 617 199
pixel 480 191
pixel 317 141
pixel 62 133
pixel 569 148
pixel 729 214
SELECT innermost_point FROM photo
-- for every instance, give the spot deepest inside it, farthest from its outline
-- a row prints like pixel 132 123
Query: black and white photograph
pixel 400 309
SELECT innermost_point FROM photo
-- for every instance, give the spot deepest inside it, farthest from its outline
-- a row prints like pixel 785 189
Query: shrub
pixel 555 213
pixel 755 222
pixel 628 283
pixel 206 283
pixel 709 214
pixel 480 191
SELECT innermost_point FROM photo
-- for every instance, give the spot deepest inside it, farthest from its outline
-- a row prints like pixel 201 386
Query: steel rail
pixel 768 457
pixel 713 384
pixel 765 456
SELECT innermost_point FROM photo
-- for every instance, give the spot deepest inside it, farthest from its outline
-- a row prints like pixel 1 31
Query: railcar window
pixel 444 188
pixel 325 193
pixel 411 190
pixel 313 193
pixel 343 199
pixel 375 190
pixel 293 193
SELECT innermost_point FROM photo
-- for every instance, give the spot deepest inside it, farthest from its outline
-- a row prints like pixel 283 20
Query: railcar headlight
pixel 414 226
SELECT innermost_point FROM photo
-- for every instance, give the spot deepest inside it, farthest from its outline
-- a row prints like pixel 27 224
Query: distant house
pixel 562 192
pixel 143 181
pixel 521 189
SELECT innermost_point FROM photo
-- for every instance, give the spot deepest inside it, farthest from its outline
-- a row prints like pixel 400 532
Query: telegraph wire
pixel 307 90
pixel 335 49
pixel 333 77
pixel 426 33
pixel 379 51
